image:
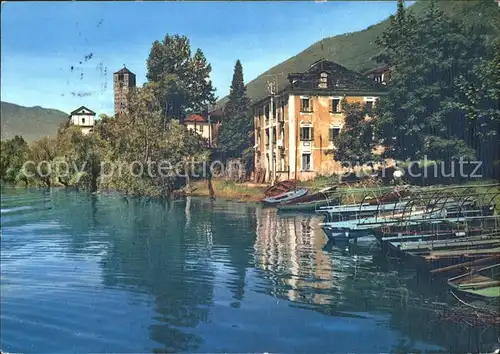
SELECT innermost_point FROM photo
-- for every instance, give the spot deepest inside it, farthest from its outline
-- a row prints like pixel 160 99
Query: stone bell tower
pixel 123 81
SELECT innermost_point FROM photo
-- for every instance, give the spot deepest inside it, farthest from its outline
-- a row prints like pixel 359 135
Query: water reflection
pixel 290 248
pixel 202 276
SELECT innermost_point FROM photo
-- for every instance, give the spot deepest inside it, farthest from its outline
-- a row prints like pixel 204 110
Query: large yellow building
pixel 298 125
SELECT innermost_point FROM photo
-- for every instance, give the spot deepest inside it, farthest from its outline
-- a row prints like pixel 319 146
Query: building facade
pixel 296 128
pixel 208 128
pixel 123 82
pixel 83 118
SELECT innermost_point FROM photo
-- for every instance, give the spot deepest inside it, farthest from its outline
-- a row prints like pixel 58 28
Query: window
pixel 334 133
pixel 200 128
pixel 306 133
pixel 306 162
pixel 83 120
pixel 305 105
pixel 369 106
pixel 266 110
pixel 335 105
pixel 323 80
pixel 120 77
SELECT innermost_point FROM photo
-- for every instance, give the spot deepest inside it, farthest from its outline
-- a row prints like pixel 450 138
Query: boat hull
pixel 285 197
pixel 308 206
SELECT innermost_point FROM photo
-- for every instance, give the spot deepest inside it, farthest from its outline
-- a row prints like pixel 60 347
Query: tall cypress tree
pixel 237 131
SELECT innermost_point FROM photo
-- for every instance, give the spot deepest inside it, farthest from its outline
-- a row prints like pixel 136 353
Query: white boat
pixel 285 197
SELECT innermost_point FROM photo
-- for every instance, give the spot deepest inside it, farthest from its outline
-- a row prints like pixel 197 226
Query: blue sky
pixel 44 44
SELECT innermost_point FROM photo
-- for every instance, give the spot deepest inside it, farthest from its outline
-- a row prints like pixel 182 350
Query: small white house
pixel 84 118
pixel 198 124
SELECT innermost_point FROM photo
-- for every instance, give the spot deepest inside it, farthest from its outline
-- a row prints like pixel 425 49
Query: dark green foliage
pixel 427 55
pixel 355 143
pixel 357 51
pixel 181 81
pixel 13 154
pixel 237 132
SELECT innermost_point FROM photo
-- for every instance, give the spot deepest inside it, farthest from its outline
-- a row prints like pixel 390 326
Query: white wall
pixel 77 119
pixel 205 129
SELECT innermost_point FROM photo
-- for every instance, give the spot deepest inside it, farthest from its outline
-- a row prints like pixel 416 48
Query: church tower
pixel 123 80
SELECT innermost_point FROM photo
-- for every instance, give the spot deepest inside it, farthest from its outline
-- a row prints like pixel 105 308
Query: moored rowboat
pixel 285 197
pixel 484 282
pixel 312 202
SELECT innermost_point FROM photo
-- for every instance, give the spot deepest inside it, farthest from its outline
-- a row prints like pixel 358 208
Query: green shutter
pixel 311 109
pixel 312 133
pixel 301 133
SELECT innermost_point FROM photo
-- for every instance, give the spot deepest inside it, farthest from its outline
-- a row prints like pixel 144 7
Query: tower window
pixel 83 120
pixel 120 77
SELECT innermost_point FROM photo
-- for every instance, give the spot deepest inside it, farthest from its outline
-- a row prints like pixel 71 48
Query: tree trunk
pixel 209 180
pixel 188 180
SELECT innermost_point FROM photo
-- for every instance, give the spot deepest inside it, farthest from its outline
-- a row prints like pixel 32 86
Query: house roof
pixel 195 118
pixel 378 70
pixel 217 113
pixel 340 80
pixel 78 110
pixel 124 70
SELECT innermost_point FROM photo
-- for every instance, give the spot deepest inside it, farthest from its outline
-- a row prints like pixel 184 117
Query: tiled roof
pixel 195 118
pixel 76 111
pixel 340 80
pixel 217 112
pixel 124 70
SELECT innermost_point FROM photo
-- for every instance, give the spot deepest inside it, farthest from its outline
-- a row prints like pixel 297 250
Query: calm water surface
pixel 94 274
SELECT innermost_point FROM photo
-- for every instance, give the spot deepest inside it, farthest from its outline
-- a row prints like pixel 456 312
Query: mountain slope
pixel 357 50
pixel 29 122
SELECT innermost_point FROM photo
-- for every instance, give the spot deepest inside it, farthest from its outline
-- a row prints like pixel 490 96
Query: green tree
pixel 478 98
pixel 181 82
pixel 13 155
pixel 237 132
pixel 355 142
pixel 42 154
pixel 426 56
pixel 147 154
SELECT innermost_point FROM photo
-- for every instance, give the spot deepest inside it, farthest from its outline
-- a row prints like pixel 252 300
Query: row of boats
pixel 452 231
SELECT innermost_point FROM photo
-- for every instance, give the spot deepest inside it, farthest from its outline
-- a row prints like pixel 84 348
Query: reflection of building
pixel 292 248
pixel 83 118
pixel 296 126
pixel 123 81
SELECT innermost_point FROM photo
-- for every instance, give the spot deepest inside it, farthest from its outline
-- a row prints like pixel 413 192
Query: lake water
pixel 102 273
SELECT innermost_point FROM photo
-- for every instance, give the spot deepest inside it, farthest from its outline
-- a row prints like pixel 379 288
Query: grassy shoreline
pixel 243 192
